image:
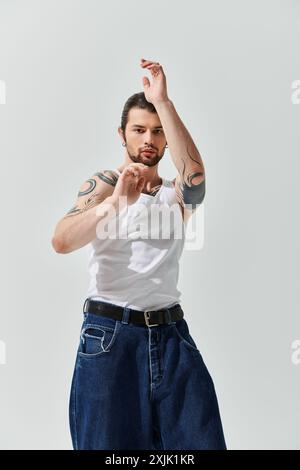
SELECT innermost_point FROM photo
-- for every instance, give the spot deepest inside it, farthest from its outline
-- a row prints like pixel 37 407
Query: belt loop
pixel 126 314
pixel 168 315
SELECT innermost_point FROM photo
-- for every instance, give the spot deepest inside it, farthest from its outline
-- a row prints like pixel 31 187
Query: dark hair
pixel 138 100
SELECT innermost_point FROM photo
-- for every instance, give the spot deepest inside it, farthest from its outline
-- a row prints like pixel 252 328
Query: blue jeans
pixel 138 387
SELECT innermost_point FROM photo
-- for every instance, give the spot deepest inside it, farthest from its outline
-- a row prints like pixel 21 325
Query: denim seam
pixel 155 384
pixel 91 355
pixel 99 327
pixel 149 355
pixel 184 340
pixel 74 409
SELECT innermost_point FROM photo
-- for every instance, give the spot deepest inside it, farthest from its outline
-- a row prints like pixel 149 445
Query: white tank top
pixel 140 270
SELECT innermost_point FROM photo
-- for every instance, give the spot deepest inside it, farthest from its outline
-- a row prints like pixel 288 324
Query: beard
pixel 148 160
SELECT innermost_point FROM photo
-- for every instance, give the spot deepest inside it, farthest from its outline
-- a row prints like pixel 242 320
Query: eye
pixel 138 130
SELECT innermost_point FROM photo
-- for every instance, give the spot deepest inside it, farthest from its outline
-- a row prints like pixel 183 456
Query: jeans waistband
pixel 145 317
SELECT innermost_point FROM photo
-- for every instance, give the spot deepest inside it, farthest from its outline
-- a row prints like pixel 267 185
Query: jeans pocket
pixel 96 339
pixel 182 330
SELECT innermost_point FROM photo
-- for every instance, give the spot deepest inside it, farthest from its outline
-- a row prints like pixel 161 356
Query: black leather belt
pixel 141 317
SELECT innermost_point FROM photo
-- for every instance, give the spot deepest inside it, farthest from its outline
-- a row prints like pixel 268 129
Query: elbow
pixel 58 245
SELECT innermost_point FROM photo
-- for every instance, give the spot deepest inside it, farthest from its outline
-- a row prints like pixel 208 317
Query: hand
pixel 130 183
pixel 157 90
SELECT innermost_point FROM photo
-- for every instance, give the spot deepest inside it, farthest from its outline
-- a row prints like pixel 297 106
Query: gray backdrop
pixel 67 68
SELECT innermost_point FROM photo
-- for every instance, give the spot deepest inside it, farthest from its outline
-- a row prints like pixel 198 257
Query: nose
pixel 148 138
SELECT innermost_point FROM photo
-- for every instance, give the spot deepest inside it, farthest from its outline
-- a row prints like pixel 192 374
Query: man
pixel 139 381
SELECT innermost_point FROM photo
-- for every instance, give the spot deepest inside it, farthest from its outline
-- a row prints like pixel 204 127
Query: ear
pixel 121 134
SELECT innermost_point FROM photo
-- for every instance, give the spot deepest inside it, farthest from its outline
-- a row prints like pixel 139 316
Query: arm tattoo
pixel 92 183
pixel 73 211
pixel 187 191
pixel 109 177
pixel 92 201
pixel 153 190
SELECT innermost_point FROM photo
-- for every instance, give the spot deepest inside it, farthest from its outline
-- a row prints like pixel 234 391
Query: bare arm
pixel 104 190
pixel 78 227
pixel 190 181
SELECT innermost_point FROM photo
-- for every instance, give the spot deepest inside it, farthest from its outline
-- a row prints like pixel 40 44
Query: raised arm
pixel 190 181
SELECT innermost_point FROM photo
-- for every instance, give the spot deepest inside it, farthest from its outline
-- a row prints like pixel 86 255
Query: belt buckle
pixel 147 317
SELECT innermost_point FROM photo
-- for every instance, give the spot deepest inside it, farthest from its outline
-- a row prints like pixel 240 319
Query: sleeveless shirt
pixel 137 265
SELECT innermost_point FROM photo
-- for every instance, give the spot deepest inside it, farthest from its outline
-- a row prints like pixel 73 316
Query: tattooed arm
pixel 190 181
pixel 92 192
pixel 78 226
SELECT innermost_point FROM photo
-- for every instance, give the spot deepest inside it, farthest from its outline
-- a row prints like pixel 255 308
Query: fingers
pixel 133 170
pixel 154 67
pixel 137 167
pixel 132 178
pixel 133 164
pixel 148 62
pixel 132 174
